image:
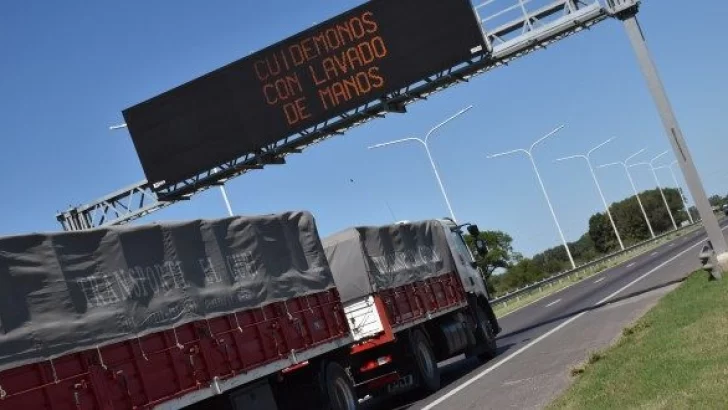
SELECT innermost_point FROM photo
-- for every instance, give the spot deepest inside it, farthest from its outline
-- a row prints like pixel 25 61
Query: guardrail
pixel 587 269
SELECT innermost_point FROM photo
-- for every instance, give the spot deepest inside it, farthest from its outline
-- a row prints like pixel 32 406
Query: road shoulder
pixel 673 357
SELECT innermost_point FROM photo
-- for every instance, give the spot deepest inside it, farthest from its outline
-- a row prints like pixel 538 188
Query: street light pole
pixel 659 186
pixel 587 158
pixel 424 143
pixel 439 182
pixel 679 190
pixel 529 154
pixel 677 185
pixel 225 197
pixel 222 187
pixel 634 187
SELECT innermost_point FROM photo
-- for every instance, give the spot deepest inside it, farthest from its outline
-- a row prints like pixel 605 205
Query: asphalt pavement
pixel 541 342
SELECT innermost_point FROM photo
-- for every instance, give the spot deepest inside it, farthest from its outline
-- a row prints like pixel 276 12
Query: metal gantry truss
pixel 511 28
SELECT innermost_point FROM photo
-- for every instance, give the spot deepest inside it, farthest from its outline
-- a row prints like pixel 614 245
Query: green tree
pixel 584 249
pixel 602 234
pixel 521 274
pixel 500 254
pixel 630 220
pixel 716 200
pixel 599 241
pixel 657 212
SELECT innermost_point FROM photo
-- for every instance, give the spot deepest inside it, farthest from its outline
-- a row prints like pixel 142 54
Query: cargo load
pixel 366 260
pixel 408 268
pixel 135 317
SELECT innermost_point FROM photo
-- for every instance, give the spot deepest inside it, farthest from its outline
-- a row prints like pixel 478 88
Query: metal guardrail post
pixel 707 259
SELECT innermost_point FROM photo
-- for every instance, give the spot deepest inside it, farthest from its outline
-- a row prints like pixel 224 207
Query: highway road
pixel 541 342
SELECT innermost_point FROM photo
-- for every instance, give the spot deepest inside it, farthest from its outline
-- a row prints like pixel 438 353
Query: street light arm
pixel 640 163
pixel 509 153
pixel 652 161
pixel 557 129
pixel 626 161
pixel 396 142
pixel 436 127
pixel 611 164
pixel 599 146
pixel 572 157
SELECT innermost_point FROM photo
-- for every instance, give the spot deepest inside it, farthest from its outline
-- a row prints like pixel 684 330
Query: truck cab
pixel 464 259
pixel 470 274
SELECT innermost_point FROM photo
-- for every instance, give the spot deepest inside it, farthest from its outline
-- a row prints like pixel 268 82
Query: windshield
pixel 461 247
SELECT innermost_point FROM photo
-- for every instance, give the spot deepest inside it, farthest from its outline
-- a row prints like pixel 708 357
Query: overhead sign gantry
pixel 250 105
pixel 363 64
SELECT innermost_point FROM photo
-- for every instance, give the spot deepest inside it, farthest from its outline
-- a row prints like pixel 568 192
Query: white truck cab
pixel 469 273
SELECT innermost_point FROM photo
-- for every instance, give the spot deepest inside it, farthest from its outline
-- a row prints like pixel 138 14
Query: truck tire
pixel 486 335
pixel 339 389
pixel 428 373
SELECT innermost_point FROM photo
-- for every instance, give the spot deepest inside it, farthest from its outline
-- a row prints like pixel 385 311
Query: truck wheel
pixel 486 334
pixel 427 370
pixel 339 388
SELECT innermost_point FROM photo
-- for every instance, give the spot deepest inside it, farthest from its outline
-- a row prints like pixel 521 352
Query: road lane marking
pixel 510 357
pixel 599 280
pixel 651 271
pixel 478 376
pixel 685 239
pixel 671 244
pixel 554 302
pixel 653 254
pixel 512 382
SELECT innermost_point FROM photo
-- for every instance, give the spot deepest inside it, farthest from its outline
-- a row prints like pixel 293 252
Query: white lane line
pixel 510 357
pixel 554 302
pixel 671 244
pixel 478 376
pixel 653 270
pixel 685 239
pixel 511 383
pixel 599 280
pixel 653 254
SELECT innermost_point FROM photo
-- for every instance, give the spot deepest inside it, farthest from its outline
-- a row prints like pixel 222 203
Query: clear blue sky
pixel 68 69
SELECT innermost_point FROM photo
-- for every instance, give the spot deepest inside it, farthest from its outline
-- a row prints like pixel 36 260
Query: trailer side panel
pixel 191 359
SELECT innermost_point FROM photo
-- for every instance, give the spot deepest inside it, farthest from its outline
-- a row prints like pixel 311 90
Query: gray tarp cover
pixel 66 292
pixel 365 259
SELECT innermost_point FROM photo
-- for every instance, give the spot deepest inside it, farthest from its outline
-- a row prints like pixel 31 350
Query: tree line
pixel 505 270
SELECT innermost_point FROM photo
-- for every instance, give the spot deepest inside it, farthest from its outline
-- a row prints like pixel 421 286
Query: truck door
pixel 469 275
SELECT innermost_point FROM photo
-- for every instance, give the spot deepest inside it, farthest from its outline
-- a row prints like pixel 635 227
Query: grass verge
pixel 502 309
pixel 676 356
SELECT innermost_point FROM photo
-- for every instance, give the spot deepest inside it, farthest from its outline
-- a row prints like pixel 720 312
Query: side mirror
pixel 473 231
pixel 481 247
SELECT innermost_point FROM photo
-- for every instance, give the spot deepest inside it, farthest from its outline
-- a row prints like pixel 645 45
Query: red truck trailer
pixel 164 316
pixel 237 313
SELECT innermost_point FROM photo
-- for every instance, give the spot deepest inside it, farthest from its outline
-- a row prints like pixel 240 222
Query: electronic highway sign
pixel 316 75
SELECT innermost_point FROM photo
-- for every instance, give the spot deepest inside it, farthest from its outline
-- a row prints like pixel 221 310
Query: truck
pixel 414 297
pixel 236 313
